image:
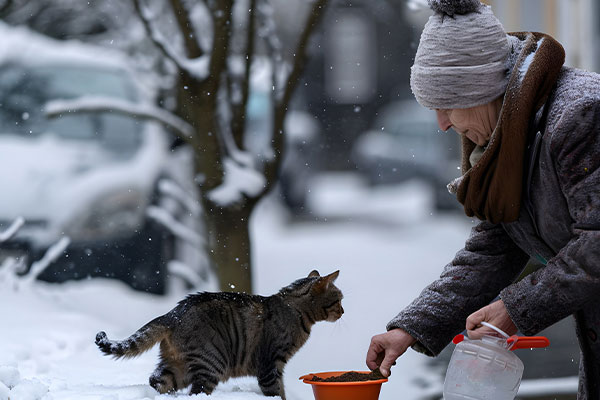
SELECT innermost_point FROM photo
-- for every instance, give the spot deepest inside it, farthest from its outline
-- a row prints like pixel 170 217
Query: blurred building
pixel 574 23
pixel 360 60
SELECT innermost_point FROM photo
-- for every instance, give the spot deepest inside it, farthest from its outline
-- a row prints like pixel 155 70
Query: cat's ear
pixel 314 273
pixel 324 282
pixel 333 276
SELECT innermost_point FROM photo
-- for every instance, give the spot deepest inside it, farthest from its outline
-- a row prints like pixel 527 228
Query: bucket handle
pixel 500 331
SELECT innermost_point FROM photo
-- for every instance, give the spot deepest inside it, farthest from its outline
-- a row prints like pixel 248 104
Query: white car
pixel 117 187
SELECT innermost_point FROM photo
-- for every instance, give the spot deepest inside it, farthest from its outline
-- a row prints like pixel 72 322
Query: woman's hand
pixel 386 348
pixel 494 314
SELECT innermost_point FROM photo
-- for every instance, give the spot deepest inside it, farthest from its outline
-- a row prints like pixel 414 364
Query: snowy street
pixel 385 242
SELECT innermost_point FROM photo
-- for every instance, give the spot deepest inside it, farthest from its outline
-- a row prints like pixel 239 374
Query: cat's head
pixel 318 296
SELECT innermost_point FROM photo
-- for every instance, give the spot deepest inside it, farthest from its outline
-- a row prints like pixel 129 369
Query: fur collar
pixel 492 188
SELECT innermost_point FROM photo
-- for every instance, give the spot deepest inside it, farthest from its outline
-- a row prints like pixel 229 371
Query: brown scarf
pixel 491 189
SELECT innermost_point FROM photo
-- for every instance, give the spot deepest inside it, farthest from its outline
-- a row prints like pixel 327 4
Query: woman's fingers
pixel 386 348
pixel 374 354
pixel 495 314
pixel 388 361
pixel 474 320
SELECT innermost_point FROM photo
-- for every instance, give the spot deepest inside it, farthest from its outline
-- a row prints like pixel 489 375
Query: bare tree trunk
pixel 229 248
pixel 227 226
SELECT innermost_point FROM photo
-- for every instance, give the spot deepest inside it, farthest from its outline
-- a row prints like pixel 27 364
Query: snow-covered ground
pixel 386 242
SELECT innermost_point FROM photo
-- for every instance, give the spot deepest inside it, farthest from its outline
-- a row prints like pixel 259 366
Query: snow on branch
pixel 164 218
pixel 170 188
pixel 97 104
pixel 185 272
pixel 12 229
pixel 239 77
pixel 8 270
pixel 51 255
pixel 239 181
pixel 195 67
pixel 227 141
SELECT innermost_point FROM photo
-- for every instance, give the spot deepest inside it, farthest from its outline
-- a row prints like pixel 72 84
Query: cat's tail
pixel 142 340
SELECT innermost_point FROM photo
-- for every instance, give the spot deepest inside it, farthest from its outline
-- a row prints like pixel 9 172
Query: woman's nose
pixel 443 120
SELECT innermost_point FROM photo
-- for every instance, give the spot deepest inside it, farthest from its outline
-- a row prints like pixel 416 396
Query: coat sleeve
pixel 489 262
pixel 572 277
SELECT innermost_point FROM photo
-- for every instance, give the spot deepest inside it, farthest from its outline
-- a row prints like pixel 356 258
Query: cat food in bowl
pixel 345 385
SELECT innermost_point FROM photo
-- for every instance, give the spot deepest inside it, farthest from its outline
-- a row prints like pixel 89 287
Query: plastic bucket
pixel 363 390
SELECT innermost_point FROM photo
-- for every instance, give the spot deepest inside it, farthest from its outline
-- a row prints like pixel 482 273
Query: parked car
pixel 404 142
pixel 93 177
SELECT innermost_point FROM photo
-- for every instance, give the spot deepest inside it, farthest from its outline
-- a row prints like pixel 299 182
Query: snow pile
pixel 20 389
pixel 48 352
pixel 13 387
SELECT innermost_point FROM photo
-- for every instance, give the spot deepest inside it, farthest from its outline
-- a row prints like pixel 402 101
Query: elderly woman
pixel 530 130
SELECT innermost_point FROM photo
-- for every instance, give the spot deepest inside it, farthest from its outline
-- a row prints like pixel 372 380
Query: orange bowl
pixel 364 390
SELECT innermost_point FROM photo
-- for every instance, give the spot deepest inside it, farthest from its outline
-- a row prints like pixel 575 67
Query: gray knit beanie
pixel 462 57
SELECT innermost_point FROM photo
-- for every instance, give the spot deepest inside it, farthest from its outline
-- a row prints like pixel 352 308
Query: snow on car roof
pixel 20 44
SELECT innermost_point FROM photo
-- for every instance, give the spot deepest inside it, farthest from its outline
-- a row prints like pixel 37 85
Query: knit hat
pixel 461 60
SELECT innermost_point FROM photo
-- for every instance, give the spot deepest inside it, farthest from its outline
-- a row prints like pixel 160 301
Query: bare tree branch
pixel 185 272
pixel 220 49
pixel 12 229
pixel 177 228
pixel 300 60
pixel 93 104
pixel 204 104
pixel 300 56
pixel 196 67
pixel 238 122
pixel 153 34
pixel 182 14
pixel 52 254
pixel 228 145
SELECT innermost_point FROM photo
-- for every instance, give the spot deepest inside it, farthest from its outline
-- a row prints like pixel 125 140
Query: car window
pixel 25 90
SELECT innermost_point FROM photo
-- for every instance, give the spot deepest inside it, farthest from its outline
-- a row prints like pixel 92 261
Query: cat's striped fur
pixel 210 337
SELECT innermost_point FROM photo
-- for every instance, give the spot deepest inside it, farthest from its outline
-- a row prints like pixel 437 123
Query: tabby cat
pixel 210 337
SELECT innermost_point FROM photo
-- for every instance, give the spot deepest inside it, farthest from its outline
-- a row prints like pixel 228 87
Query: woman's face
pixel 477 123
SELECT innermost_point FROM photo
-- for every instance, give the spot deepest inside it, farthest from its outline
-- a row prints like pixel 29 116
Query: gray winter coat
pixel 558 224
